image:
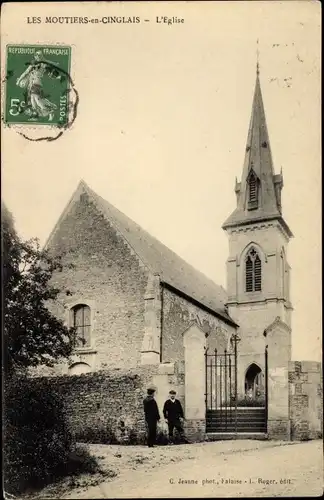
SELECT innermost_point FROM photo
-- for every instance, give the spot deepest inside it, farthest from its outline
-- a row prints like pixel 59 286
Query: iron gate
pixel 225 412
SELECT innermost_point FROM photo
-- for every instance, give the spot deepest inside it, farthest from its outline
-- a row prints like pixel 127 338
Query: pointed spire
pixel 259 192
pixel 258 153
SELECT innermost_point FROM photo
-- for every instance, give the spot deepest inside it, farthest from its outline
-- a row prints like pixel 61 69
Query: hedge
pixel 37 443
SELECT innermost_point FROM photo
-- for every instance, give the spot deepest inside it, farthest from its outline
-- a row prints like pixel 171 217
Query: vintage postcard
pixel 161 248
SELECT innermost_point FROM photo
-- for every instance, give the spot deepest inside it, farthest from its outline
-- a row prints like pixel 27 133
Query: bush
pixel 251 402
pixel 37 443
pixel 81 461
pixel 162 438
pixel 134 437
pixel 101 435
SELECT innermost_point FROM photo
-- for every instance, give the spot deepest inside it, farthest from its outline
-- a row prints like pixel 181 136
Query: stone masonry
pixel 102 407
pixel 306 400
pixel 178 314
pixel 99 266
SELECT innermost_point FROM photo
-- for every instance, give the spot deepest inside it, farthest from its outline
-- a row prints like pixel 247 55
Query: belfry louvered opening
pixel 253 191
pixel 253 274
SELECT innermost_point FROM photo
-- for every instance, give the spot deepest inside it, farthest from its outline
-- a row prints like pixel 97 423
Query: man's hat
pixel 172 392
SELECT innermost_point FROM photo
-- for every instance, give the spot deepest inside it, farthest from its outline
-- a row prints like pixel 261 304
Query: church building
pixel 137 305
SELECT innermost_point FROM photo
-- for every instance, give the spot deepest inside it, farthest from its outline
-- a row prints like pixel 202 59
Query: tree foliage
pixel 37 441
pixel 32 335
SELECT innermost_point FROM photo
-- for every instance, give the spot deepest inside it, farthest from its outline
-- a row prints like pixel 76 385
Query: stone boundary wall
pixel 102 407
pixel 107 406
pixel 305 400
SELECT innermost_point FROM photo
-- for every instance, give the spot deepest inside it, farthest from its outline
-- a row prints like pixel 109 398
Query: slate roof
pixel 171 268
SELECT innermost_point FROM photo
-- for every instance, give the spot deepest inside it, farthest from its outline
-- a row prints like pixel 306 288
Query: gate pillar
pixel 278 338
pixel 194 341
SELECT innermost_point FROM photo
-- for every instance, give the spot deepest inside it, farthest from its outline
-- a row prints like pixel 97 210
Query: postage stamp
pixel 37 84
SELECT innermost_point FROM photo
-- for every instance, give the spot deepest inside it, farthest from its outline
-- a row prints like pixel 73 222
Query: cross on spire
pixel 257 54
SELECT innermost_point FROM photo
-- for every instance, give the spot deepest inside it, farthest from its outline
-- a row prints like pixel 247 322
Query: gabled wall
pixel 101 268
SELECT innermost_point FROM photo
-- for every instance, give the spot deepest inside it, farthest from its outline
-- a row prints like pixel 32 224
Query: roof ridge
pixel 158 258
pixel 151 236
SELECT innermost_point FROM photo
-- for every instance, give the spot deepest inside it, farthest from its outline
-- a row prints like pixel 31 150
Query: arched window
pixel 253 271
pixel 80 318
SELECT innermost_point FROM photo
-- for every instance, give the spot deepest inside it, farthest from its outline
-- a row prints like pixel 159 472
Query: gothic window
pixel 253 272
pixel 80 319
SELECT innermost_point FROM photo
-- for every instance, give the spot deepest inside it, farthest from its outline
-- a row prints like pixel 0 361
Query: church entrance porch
pixel 254 383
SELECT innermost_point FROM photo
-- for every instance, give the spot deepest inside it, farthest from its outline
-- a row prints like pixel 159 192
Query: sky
pixel 162 125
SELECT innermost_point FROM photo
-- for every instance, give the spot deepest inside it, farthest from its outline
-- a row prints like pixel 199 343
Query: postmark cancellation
pixel 39 90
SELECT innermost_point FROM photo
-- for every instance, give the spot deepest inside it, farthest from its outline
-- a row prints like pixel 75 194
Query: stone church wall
pixel 99 267
pixel 305 400
pixel 177 316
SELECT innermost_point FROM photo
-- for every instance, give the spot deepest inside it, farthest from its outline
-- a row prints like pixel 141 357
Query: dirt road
pixel 287 470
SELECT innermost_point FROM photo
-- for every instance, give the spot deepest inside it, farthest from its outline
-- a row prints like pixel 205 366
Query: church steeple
pixel 259 192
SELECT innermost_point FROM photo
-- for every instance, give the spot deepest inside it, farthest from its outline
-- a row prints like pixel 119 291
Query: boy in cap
pixel 152 416
pixel 173 414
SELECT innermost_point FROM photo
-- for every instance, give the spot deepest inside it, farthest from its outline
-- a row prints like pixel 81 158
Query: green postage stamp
pixel 37 84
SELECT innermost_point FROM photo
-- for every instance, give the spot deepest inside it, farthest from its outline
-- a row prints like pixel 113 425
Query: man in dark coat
pixel 152 416
pixel 173 414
